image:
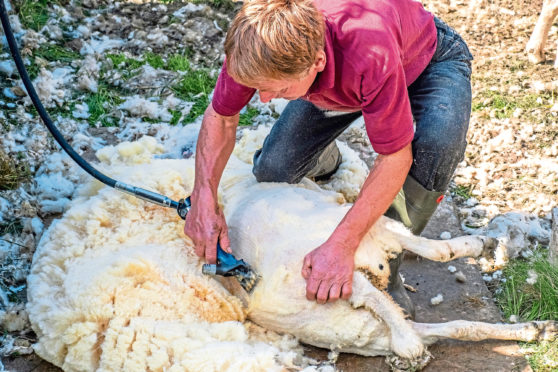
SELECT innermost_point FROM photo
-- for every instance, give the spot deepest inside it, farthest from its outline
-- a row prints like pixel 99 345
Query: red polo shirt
pixel 374 50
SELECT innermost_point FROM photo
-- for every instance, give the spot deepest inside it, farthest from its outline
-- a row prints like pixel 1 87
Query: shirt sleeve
pixel 387 112
pixel 229 97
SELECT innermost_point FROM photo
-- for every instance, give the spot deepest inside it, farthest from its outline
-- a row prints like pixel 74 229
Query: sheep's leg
pixel 477 331
pixel 446 250
pixel 535 46
pixel 405 341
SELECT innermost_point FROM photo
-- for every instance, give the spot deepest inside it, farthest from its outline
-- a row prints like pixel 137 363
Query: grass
pixel 248 116
pixel 463 191
pixel 100 105
pixel 14 227
pixel 537 301
pixel 54 52
pixel 128 65
pixel 195 86
pixel 12 172
pixel 178 62
pixel 34 13
pixel 51 53
pixel 505 105
pixel 543 356
pixel 176 115
pixel 220 4
pixel 530 301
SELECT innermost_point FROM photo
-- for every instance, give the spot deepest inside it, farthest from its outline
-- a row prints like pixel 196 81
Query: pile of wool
pixel 115 284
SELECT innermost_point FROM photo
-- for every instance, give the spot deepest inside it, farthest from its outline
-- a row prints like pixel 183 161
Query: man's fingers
pixel 225 241
pixel 323 292
pixel 312 289
pixel 347 290
pixel 211 250
pixel 334 292
pixel 306 267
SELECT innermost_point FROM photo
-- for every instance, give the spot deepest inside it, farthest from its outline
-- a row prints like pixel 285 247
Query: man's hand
pixel 328 271
pixel 205 222
pixel 207 226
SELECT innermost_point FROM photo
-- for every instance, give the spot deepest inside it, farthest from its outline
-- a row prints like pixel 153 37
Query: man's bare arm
pixel 205 223
pixel 378 192
pixel 328 269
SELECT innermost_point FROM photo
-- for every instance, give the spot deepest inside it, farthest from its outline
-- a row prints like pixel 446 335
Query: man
pixel 388 60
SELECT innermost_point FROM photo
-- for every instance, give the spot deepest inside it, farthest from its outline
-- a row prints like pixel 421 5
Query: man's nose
pixel 266 96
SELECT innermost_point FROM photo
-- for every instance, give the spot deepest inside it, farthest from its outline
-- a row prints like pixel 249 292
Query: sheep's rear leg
pixel 447 250
pixel 535 46
pixel 405 342
pixel 477 331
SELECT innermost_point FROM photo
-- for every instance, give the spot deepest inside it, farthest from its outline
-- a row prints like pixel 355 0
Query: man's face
pixel 291 88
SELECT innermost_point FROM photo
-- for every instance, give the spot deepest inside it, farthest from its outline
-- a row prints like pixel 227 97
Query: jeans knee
pixel 268 170
pixel 447 146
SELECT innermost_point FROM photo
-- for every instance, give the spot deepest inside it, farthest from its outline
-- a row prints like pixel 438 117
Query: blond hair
pixel 273 39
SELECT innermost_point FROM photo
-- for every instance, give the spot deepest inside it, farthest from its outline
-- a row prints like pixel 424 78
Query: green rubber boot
pixel 413 206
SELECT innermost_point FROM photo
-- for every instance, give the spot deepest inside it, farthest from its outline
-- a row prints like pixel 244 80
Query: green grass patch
pixel 12 172
pixel 220 4
pixel 542 356
pixel 178 62
pixel 505 105
pixel 154 60
pixel 54 52
pixel 14 227
pixel 176 115
pixel 34 14
pixel 530 301
pixel 463 191
pixel 100 105
pixel 128 65
pixel 195 86
pixel 50 53
pixel 536 301
pixel 247 117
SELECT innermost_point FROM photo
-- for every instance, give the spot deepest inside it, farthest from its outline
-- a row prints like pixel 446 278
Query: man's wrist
pixel 344 238
pixel 205 194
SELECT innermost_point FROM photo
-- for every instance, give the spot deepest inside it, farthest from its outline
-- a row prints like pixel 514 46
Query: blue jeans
pixel 441 106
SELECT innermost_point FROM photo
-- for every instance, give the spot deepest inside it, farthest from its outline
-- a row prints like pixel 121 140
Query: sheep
pixel 115 284
pixel 535 46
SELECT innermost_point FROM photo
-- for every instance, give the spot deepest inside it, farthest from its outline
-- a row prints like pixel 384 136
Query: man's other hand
pixel 328 271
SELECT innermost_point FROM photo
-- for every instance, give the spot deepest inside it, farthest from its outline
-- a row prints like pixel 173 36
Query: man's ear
pixel 320 62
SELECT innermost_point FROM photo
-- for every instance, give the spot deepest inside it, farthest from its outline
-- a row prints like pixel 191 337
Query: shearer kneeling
pixel 388 60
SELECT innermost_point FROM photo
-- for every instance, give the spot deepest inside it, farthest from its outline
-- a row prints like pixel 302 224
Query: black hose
pixel 136 191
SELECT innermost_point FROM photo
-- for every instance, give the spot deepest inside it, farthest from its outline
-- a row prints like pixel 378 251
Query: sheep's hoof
pixel 398 364
pixel 548 331
pixel 535 57
pixel 489 247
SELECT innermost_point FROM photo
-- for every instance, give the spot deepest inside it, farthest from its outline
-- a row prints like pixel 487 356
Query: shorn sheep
pixel 115 285
pixel 535 46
